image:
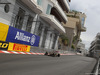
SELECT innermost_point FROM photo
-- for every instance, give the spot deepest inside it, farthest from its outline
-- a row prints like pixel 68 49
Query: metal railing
pixel 97 67
pixel 60 10
pixel 68 2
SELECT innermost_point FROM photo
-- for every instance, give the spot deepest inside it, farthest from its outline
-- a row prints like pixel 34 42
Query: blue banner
pixel 22 37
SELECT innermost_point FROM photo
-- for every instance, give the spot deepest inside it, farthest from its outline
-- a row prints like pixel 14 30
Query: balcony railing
pixel 57 20
pixel 83 28
pixel 51 19
pixel 58 7
pixel 58 23
pixel 61 10
pixel 68 2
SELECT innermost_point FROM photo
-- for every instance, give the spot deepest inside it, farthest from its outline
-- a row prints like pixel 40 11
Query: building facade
pixel 42 18
pixel 74 27
pixel 95 46
pixel 81 48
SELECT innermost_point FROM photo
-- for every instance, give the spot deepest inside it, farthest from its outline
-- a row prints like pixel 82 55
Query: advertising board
pixel 3 31
pixel 22 37
pixel 4 45
pixel 18 47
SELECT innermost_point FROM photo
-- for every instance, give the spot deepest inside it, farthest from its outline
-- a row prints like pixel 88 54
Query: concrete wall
pixel 45 5
pixel 70 34
pixel 72 22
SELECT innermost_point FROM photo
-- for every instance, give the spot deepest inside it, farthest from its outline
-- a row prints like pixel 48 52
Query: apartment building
pixel 95 46
pixel 39 22
pixel 81 48
pixel 74 27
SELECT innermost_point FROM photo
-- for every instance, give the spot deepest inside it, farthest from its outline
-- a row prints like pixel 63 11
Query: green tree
pixel 73 47
pixel 64 39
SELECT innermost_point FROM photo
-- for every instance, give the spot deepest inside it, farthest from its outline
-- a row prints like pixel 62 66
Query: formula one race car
pixel 53 53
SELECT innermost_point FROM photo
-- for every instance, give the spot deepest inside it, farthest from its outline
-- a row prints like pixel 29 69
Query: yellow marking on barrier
pixel 10 48
pixel 3 31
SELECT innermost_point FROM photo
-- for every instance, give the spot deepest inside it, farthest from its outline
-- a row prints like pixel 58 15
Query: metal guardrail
pixel 68 2
pixel 97 68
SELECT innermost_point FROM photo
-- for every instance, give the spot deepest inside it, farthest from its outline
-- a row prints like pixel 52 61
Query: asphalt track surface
pixel 12 64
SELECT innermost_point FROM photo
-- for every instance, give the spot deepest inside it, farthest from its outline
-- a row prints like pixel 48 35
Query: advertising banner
pixel 18 47
pixel 3 31
pixel 4 45
pixel 22 37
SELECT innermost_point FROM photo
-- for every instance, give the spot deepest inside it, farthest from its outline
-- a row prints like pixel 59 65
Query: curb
pixel 13 52
pixel 69 54
pixel 30 53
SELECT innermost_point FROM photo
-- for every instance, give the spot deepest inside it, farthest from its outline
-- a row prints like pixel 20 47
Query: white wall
pixel 6 17
pixel 45 5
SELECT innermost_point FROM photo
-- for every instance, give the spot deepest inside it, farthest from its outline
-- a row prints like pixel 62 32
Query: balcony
pixel 80 26
pixel 53 22
pixel 97 47
pixel 33 5
pixel 59 9
pixel 83 28
pixel 66 2
pixel 98 39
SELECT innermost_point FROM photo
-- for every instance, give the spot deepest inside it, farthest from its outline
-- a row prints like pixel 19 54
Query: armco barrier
pixel 43 50
pixel 37 49
pixel 14 47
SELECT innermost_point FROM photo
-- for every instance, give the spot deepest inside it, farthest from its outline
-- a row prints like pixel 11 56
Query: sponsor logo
pixel 22 37
pixel 18 47
pixel 32 41
pixel 4 45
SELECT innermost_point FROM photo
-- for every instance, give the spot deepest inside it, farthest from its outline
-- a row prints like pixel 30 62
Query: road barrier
pixel 18 47
pixel 97 67
pixel 14 35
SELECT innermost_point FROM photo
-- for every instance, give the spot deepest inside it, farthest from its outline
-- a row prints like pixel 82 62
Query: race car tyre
pixel 46 53
pixel 53 55
pixel 58 55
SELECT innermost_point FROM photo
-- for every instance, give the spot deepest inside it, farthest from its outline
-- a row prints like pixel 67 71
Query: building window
pixel 19 18
pixel 83 19
pixel 29 24
pixel 39 2
pixel 36 27
pixel 54 41
pixel 40 29
pixel 48 9
pixel 44 37
pixel 6 8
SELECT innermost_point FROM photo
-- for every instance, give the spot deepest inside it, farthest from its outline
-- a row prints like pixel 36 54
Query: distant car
pixel 53 53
